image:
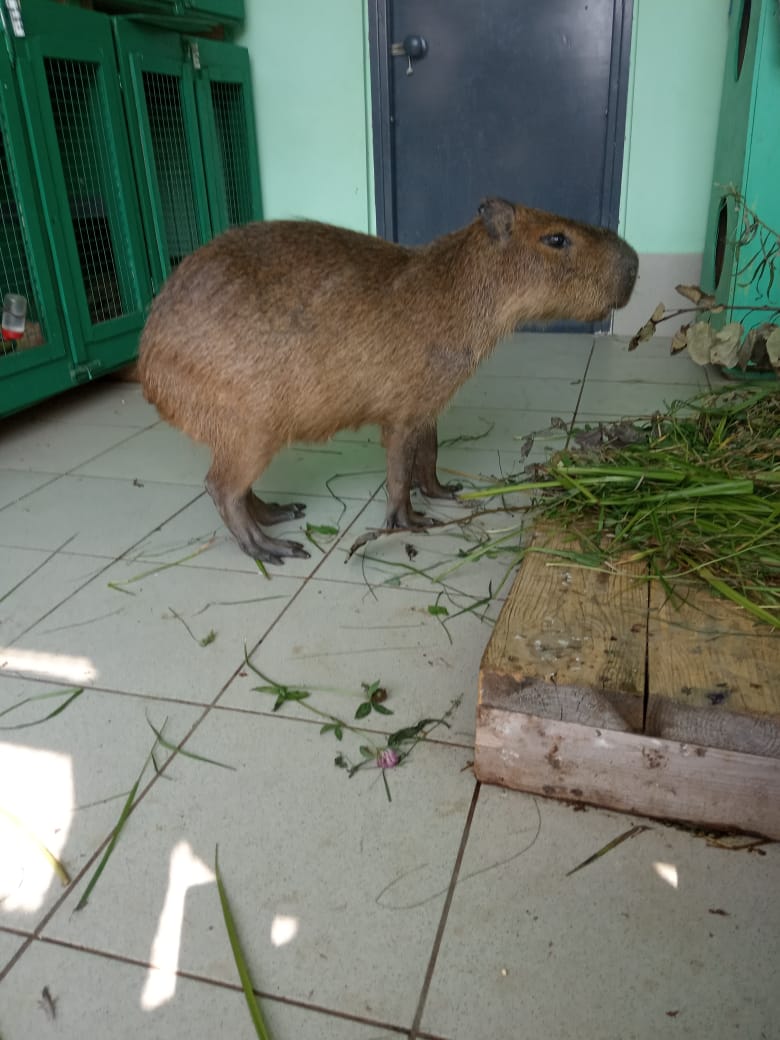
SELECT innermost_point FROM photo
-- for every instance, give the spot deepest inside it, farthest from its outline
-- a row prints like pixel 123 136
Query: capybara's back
pixel 291 330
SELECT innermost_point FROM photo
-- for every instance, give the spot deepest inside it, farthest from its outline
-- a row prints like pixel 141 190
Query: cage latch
pixel 195 55
pixel 83 373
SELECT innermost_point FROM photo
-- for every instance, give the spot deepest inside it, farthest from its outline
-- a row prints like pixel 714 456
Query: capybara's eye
pixel 556 241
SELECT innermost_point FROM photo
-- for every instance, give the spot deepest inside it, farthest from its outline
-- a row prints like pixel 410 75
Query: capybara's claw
pixel 409 520
pixel 449 490
pixel 275 550
pixel 269 513
pixel 277 557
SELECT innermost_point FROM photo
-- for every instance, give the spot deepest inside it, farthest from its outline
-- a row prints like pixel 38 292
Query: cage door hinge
pixel 83 373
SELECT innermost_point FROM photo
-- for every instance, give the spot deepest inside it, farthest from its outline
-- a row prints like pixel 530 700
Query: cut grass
pixel 695 493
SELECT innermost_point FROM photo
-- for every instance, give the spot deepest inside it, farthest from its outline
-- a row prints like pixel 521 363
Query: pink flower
pixel 387 759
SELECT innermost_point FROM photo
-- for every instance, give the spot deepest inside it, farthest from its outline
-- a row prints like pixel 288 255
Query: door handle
pixel 412 47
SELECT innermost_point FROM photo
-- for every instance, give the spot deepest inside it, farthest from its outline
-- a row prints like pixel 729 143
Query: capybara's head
pixel 557 268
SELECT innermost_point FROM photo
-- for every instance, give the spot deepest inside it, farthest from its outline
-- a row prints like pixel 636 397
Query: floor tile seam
pixel 137 431
pixel 110 561
pixel 444 916
pixel 143 481
pixel 232 987
pixel 152 698
pixel 56 550
pixel 207 709
pixel 612 380
pixel 16 957
pixel 54 477
pixel 463 745
pixel 76 879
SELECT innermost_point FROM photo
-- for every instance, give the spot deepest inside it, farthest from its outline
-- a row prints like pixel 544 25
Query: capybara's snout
pixel 626 268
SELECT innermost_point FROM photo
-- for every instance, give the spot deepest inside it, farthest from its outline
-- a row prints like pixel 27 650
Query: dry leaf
pixel 679 340
pixel 726 347
pixel 658 313
pixel 701 339
pixel 773 346
pixel 691 292
pixel 696 295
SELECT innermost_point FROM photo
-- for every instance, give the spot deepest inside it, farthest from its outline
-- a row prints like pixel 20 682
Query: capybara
pixel 292 330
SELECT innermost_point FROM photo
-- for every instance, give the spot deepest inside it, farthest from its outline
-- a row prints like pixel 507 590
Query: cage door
pixel 226 113
pixel 160 105
pixel 70 88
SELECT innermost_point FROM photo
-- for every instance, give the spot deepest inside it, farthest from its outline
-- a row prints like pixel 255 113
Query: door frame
pixel 382 114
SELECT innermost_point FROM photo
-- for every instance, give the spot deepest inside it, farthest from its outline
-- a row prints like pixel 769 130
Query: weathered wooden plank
pixel 709 787
pixel 570 642
pixel 714 675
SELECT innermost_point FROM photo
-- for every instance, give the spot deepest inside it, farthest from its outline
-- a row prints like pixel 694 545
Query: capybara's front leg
pixel 229 484
pixel 401 445
pixel 424 474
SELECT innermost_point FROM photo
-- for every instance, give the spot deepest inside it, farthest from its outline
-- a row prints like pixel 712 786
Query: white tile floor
pixel 444 913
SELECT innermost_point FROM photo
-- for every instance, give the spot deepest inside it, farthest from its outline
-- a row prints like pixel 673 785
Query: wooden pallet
pixel 594 688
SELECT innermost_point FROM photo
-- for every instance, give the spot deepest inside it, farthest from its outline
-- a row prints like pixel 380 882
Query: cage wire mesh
pixel 80 122
pixel 230 120
pixel 14 250
pixel 162 93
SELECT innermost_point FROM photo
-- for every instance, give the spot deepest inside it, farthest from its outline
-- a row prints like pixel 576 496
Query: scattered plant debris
pixel 205 641
pixel 630 833
pixel 170 746
pixel 697 496
pixel 757 250
pixel 388 755
pixel 328 530
pixel 55 864
pixel 238 955
pixel 71 693
pixel 126 810
pixel 48 1003
pixel 118 586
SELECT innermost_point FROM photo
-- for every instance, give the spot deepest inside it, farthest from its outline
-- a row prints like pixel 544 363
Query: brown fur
pixel 285 331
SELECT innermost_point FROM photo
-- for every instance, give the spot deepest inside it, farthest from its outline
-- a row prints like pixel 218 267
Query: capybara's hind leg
pixel 229 484
pixel 400 445
pixel 424 474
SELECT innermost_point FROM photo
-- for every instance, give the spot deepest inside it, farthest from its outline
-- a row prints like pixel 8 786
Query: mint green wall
pixel 310 79
pixel 678 55
pixel 310 72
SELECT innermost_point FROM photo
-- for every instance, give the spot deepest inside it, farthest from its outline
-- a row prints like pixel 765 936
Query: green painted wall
pixel 678 54
pixel 310 81
pixel 310 74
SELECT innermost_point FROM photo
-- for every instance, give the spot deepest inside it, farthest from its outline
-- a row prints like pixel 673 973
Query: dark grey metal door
pixel 519 98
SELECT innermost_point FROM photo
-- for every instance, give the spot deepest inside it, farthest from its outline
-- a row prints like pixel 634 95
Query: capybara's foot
pixel 269 513
pixel 274 550
pixel 260 546
pixel 434 489
pixel 408 518
pixel 239 516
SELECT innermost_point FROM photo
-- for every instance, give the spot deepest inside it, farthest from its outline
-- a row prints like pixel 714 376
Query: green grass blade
pixel 55 864
pixel 243 972
pixel 169 746
pixel 126 810
pixel 39 697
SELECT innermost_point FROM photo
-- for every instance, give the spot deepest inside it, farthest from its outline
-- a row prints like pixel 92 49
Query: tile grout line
pixel 109 562
pixel 414 1032
pixel 174 754
pixel 233 987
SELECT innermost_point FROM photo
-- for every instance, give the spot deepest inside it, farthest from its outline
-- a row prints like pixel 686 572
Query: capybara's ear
pixel 498 216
